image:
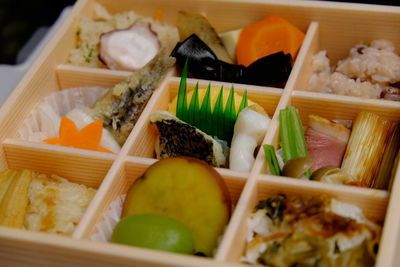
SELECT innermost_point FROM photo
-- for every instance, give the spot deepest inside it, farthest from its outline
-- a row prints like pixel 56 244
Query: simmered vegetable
pixel 292 135
pixel 371 150
pixel 272 160
pixel 296 167
pixel 191 23
pixel 266 37
pixel 331 175
pixel 204 64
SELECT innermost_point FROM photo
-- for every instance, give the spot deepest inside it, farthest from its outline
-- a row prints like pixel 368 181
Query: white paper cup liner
pixel 111 218
pixel 55 106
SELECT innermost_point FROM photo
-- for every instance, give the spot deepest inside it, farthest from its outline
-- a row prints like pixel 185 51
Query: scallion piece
pixel 292 135
pixel 371 150
pixel 271 159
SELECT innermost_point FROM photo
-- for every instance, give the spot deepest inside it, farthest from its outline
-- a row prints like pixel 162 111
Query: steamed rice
pixel 89 31
pixel 367 72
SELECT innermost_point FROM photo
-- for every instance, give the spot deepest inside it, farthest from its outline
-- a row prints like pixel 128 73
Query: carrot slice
pixel 90 135
pixel 52 141
pixel 68 131
pixel 266 37
pixel 87 138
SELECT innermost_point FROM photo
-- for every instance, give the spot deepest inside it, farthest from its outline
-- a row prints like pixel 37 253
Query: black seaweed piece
pixel 275 208
pixel 204 64
pixel 272 69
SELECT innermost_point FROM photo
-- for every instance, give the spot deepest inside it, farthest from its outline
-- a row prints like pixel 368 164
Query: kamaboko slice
pixel 129 49
pixel 177 138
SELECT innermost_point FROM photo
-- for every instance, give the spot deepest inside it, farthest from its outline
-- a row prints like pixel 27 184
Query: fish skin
pixel 177 138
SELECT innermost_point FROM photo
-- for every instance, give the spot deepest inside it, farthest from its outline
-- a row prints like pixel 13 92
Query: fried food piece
pixel 15 200
pixel 6 178
pixel 42 203
pixel 122 105
pixel 56 205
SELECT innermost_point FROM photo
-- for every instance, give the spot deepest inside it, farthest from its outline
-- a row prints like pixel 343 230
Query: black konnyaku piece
pixel 203 64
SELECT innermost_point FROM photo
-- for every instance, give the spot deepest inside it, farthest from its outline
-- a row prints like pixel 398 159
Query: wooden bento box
pixel 328 25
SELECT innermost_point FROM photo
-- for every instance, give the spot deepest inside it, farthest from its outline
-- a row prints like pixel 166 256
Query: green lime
pixel 154 232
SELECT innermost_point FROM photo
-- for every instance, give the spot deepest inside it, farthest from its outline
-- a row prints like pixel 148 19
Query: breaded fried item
pixel 56 205
pixel 42 203
pixel 6 178
pixel 122 105
pixel 15 200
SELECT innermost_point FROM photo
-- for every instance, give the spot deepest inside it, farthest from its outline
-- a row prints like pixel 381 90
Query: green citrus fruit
pixel 154 232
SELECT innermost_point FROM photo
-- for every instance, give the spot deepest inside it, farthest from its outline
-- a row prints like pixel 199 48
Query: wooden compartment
pixel 131 170
pixel 328 25
pixel 83 169
pixel 87 168
pixel 143 146
pixel 267 186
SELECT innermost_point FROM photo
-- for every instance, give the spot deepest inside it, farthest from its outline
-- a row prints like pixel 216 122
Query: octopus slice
pixel 129 49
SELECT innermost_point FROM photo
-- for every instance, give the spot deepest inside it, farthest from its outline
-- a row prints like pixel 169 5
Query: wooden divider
pixel 332 26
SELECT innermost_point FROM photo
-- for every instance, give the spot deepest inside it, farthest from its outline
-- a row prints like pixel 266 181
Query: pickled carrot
pixel 87 138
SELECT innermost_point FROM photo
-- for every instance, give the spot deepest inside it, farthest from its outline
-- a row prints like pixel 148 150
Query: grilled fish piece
pixel 122 105
pixel 177 138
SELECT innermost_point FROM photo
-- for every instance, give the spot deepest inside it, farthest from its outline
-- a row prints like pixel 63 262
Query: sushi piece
pixel 310 231
pixel 177 138
pixel 122 105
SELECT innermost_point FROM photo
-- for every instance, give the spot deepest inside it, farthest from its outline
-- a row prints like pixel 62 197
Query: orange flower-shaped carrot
pixel 87 138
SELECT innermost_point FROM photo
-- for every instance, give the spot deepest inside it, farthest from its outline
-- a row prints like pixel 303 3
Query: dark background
pixel 394 3
pixel 20 18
